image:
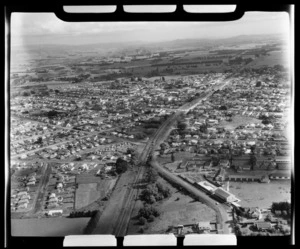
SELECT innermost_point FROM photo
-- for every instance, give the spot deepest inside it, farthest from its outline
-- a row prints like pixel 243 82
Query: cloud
pixel 26 26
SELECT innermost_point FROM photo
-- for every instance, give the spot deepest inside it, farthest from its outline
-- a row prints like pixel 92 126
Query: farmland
pixel 275 57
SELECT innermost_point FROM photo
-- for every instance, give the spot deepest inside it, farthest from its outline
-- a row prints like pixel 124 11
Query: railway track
pixel 38 202
pixel 125 215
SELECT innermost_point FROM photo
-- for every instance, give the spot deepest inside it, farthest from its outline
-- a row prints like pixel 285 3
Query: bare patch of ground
pixel 254 194
pixel 237 121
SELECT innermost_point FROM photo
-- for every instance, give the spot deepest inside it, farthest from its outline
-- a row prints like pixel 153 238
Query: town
pixel 161 141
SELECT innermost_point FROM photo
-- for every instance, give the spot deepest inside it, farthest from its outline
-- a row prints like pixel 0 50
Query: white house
pixel 55 212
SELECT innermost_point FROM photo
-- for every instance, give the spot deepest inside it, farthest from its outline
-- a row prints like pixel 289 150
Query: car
pixel 217 203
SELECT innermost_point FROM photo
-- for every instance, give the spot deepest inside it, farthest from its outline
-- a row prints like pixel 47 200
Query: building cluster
pixel 60 192
pixel 24 185
pixel 231 124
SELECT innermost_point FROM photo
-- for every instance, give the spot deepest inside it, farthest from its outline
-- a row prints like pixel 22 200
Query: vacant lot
pixel 177 209
pixel 253 194
pixel 178 156
pixel 89 191
pixel 237 121
pixel 195 176
pixel 173 166
pixel 48 227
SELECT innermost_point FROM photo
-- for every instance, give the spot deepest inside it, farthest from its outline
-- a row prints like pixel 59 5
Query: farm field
pixel 175 210
pixel 261 195
pixel 49 227
pixel 275 57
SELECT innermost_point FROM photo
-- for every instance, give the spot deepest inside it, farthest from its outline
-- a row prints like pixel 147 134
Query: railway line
pixel 125 215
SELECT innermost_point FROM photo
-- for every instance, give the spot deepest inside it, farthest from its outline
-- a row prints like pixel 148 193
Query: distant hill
pixel 117 47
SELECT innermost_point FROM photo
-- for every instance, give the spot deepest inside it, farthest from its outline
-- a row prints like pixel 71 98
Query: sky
pixel 46 28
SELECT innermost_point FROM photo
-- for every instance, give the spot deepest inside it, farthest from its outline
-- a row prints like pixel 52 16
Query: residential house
pixel 203 227
pixel 262 225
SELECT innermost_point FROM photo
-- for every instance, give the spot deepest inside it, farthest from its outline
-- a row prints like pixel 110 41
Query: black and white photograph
pixel 158 127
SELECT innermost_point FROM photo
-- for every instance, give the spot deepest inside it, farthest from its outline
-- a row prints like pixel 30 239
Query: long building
pixel 243 178
pixel 224 195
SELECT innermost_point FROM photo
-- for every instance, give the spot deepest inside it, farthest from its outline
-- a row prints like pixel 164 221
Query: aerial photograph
pixel 130 128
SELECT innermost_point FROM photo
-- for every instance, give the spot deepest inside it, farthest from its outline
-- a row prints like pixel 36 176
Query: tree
pixel 39 140
pixel 258 84
pixel 148 194
pixel 268 217
pixel 152 199
pixel 25 94
pixel 286 231
pixel 173 157
pixel 203 128
pixel 279 68
pixel 161 152
pixel 223 107
pixel 165 191
pixel 238 230
pixel 130 151
pixel 163 146
pixel 121 166
pixel 147 211
pixel 266 121
pixel 151 176
pixel 215 160
pixel 52 113
pixel 151 218
pixel 252 148
pixel 253 161
pixel 142 221
pixel 181 126
pixel 282 206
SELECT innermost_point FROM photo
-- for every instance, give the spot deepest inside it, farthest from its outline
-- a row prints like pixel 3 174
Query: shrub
pixel 147 211
pixel 121 166
pixel 25 94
